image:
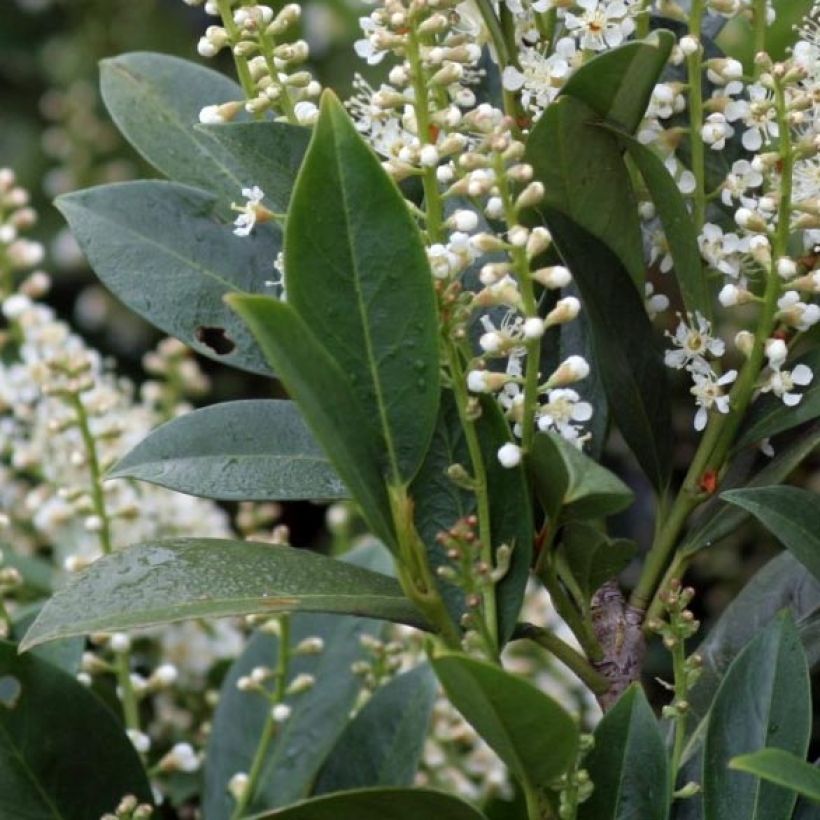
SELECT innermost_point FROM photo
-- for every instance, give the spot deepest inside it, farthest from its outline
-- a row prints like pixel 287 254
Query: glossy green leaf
pixel 592 557
pixel 618 84
pixel 627 353
pixel 155 100
pixel 382 745
pixel 783 768
pixel 379 804
pixel 346 433
pixel 161 249
pixel 764 701
pixel 678 227
pixel 769 415
pixel 303 741
pixel 628 764
pixel 528 730
pixel 581 167
pixel 238 451
pixel 564 477
pixel 174 579
pixel 63 755
pixel 720 519
pixel 510 514
pixel 357 273
pixel 790 513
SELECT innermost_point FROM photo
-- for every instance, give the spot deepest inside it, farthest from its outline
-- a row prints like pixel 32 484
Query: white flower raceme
pixel 708 393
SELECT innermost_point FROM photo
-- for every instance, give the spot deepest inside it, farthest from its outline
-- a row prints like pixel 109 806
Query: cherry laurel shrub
pixel 461 276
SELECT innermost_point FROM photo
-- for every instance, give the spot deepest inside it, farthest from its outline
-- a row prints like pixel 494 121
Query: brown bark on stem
pixel 618 627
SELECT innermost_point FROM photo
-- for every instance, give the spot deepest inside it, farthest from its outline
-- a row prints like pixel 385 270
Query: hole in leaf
pixel 215 338
pixel 10 690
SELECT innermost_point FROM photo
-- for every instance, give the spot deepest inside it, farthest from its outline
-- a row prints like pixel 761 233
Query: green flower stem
pixel 720 434
pixel 681 694
pixel 570 657
pixel 694 67
pixel 130 704
pixel 537 807
pixel 479 475
pixel 270 726
pixel 242 70
pixel 434 213
pixel 546 22
pixel 759 22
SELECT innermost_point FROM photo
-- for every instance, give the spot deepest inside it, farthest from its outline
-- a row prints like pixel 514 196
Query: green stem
pixel 694 66
pixel 679 672
pixel 759 21
pixel 242 70
pixel 130 704
pixel 269 728
pixel 642 26
pixel 570 657
pixel 479 475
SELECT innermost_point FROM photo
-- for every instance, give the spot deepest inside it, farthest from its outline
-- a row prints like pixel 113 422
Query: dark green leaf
pixel 626 350
pixel 267 154
pixel 382 745
pixel 769 416
pixel 510 514
pixel 783 582
pixel 528 730
pixel 618 84
pixel 592 557
pixel 764 700
pixel 783 768
pixel 720 520
pixel 564 477
pixel 358 275
pixel 64 654
pixel 303 741
pixel 585 178
pixel 63 755
pixel 379 804
pixel 313 378
pixel 175 579
pixel 627 764
pixel 790 513
pixel 677 225
pixel 161 249
pixel 239 451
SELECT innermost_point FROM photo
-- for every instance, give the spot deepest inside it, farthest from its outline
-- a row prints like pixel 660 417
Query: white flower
pixel 740 179
pixel 715 131
pixel 694 342
pixel 572 369
pixel 181 758
pixel 722 251
pixel 249 212
pixel 540 78
pixel 654 303
pixel 758 114
pixel 602 23
pixel 782 383
pixel 562 411
pixel 798 314
pixel 776 352
pixel 140 741
pixel 280 712
pixel 708 393
pixel 509 455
